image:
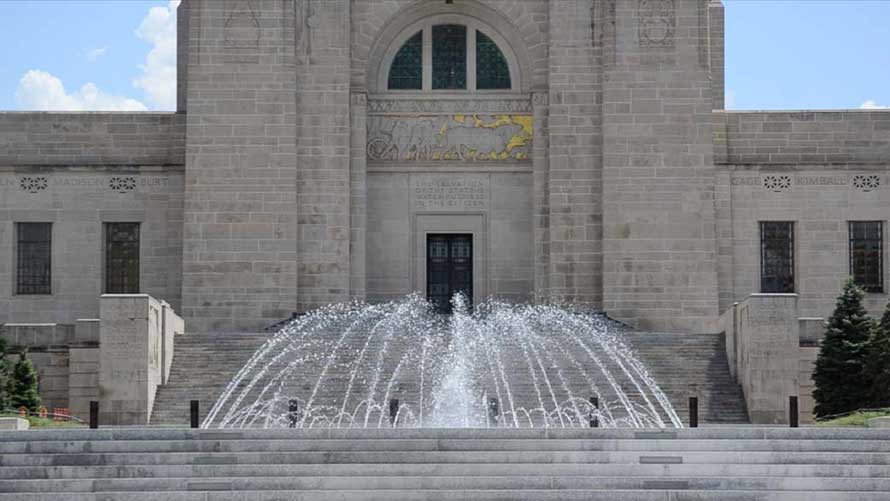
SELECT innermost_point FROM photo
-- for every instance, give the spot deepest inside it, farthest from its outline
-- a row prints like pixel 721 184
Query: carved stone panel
pixel 657 23
pixel 450 137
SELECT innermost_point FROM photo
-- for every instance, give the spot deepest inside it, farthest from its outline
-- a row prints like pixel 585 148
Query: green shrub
pixel 5 379
pixel 842 384
pixel 878 363
pixel 23 390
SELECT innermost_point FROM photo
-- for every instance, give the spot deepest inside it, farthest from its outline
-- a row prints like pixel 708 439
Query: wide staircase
pixel 714 464
pixel 683 365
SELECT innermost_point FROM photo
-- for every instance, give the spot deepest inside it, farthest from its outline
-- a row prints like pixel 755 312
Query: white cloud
pixel 158 78
pixel 871 105
pixel 94 54
pixel 39 90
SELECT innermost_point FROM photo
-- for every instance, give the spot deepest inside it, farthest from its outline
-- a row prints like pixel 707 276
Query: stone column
pixel 240 220
pixel 658 172
pixel 540 191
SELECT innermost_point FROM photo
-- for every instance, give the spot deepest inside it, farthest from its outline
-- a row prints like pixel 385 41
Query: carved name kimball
pixel 450 137
pixel 658 22
pixel 449 193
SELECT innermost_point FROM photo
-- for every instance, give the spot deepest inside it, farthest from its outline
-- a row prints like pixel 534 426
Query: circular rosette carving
pixel 866 183
pixel 777 184
pixel 33 184
pixel 122 184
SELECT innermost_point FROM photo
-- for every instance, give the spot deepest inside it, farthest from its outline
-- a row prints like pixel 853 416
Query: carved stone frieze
pixel 450 138
pixel 657 23
pixel 383 105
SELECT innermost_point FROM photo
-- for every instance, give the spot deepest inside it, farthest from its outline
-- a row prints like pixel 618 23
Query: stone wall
pixel 97 138
pixel 802 138
pixel 78 200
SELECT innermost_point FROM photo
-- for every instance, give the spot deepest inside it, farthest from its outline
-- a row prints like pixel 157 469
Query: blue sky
pixel 120 54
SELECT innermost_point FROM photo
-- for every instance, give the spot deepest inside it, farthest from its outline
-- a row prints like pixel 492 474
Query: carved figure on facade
pixel 455 137
pixel 657 23
pixel 242 29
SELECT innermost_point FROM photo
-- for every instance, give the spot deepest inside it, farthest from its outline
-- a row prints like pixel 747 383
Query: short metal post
pixel 793 414
pixel 193 412
pixel 293 409
pixel 493 412
pixel 594 412
pixel 393 410
pixel 94 414
pixel 693 412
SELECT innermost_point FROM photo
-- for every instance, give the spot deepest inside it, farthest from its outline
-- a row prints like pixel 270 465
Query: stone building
pixel 328 150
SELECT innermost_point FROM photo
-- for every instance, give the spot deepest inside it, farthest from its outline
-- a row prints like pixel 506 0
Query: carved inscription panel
pixel 450 193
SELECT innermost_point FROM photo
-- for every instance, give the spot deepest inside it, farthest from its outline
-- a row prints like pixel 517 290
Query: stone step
pixel 431 444
pixel 534 456
pixel 413 483
pixel 211 491
pixel 458 469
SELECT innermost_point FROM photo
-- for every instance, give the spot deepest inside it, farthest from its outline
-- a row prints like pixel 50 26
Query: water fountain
pixel 399 364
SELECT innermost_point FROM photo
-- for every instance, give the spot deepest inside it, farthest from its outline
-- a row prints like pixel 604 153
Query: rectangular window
pixel 122 258
pixel 867 254
pixel 777 256
pixel 34 258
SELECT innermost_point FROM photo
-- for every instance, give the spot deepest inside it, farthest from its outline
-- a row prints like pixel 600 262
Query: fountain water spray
pixel 344 365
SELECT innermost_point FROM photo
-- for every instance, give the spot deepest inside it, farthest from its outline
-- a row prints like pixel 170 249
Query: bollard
pixel 293 409
pixel 393 410
pixel 793 414
pixel 693 412
pixel 493 412
pixel 594 412
pixel 94 414
pixel 193 412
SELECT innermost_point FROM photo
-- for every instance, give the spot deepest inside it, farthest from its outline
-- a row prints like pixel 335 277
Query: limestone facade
pixel 606 174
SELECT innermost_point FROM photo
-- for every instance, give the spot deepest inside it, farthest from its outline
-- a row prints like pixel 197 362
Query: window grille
pixel 867 254
pixel 492 71
pixel 406 71
pixel 777 257
pixel 449 56
pixel 34 258
pixel 122 258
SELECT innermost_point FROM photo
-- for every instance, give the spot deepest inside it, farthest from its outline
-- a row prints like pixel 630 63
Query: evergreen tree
pixel 24 392
pixel 5 377
pixel 840 375
pixel 878 368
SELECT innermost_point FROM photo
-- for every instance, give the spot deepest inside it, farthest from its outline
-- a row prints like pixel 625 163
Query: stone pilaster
pixel 658 172
pixel 323 151
pixel 240 223
pixel 716 16
pixel 540 192
pixel 575 175
pixel 358 203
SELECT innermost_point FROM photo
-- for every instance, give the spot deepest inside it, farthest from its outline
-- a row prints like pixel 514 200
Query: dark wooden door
pixel 449 269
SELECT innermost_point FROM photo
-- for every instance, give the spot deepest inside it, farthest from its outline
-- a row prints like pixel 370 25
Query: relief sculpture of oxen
pixel 476 143
pixel 415 139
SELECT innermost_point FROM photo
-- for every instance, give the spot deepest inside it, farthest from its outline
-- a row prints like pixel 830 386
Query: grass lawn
pixel 855 419
pixel 38 422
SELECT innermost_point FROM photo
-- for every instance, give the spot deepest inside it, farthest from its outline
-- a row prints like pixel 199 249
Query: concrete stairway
pixel 682 364
pixel 593 464
pixel 202 366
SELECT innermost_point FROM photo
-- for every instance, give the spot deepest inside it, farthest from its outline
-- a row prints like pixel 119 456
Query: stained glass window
pixel 122 258
pixel 492 71
pixel 406 71
pixel 449 56
pixel 777 257
pixel 33 258
pixel 866 255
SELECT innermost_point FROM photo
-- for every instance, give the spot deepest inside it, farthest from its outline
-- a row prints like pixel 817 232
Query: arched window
pixel 449 56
